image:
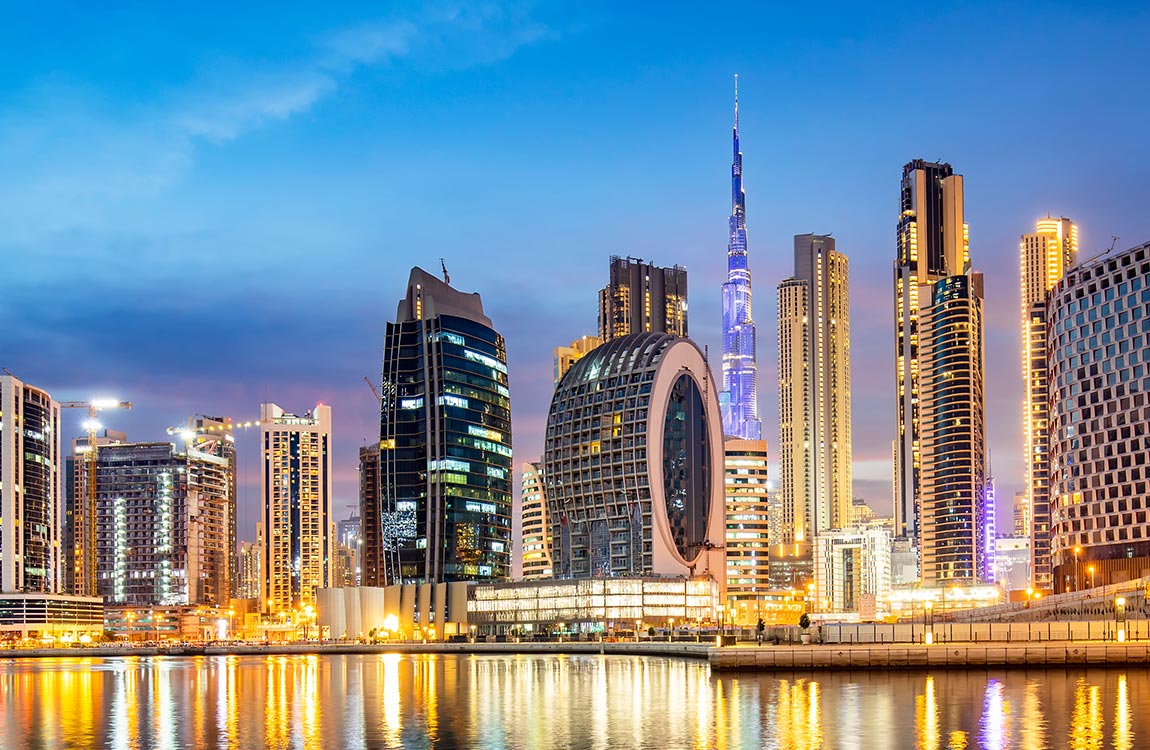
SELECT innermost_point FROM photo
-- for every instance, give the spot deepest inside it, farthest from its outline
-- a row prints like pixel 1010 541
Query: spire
pixel 736 102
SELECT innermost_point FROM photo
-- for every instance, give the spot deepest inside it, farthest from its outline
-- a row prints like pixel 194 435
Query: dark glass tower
pixel 739 398
pixel 445 440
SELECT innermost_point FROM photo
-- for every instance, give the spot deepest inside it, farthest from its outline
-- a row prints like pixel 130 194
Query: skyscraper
pixel 371 521
pixel 739 398
pixel 954 517
pixel 814 391
pixel 162 525
pixel 642 297
pixel 535 550
pixel 1045 257
pixel 565 356
pixel 748 537
pixel 250 571
pixel 1099 343
pixel 932 245
pixel 297 503
pixel 445 440
pixel 31 526
pixel 633 463
pixel 79 567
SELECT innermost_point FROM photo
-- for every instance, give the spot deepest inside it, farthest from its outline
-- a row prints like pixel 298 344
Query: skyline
pixel 206 186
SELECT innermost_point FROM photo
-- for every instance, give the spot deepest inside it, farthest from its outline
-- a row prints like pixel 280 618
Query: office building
pixel 850 565
pixel 297 506
pixel 814 391
pixel 535 549
pixel 860 513
pixel 445 440
pixel 642 297
pixel 1099 344
pixel 163 525
pixel 1021 515
pixel 1045 257
pixel 748 539
pixel 79 567
pixel 31 523
pixel 565 356
pixel 739 398
pixel 250 571
pixel 633 463
pixel 371 548
pixel 347 531
pixel 933 244
pixel 956 521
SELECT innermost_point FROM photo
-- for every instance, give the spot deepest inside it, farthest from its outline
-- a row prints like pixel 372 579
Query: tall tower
pixel 642 297
pixel 748 528
pixel 445 440
pixel 933 244
pixel 297 502
pixel 1045 256
pixel 814 391
pixel 31 526
pixel 740 405
pixel 535 549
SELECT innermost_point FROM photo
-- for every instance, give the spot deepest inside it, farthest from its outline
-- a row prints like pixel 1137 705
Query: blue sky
pixel 208 207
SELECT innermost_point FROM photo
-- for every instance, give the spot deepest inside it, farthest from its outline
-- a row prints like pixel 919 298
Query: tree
pixel 805 621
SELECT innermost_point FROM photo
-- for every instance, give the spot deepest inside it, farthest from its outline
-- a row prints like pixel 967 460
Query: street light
pixel 929 622
pixel 1091 569
pixel 638 623
pixel 1120 618
pixel 1077 582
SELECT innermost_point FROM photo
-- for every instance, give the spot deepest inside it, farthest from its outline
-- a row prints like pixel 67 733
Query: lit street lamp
pixel 1120 618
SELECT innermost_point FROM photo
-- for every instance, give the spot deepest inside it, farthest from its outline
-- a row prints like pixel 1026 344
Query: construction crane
pixel 85 563
pixel 374 390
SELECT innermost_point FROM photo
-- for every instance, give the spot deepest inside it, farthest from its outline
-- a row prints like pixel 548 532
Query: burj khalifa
pixel 739 397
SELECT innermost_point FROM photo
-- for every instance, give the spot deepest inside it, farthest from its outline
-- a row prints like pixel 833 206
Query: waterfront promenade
pixel 743 657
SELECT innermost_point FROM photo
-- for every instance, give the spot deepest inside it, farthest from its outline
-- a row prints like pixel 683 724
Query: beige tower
pixel 296 490
pixel 535 549
pixel 1045 256
pixel 814 391
pixel 565 356
pixel 748 529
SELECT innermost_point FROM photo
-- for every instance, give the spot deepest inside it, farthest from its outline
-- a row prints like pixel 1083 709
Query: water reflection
pixel 393 701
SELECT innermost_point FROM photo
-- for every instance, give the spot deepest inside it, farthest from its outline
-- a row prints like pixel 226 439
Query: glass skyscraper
pixel 445 440
pixel 739 398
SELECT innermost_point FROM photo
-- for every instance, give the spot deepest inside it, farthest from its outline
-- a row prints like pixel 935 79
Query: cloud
pixel 70 149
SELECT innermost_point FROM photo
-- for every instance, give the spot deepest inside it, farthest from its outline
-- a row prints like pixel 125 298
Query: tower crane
pixel 85 563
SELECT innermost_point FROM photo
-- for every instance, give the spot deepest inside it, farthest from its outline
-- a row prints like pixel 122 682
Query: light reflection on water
pixel 393 701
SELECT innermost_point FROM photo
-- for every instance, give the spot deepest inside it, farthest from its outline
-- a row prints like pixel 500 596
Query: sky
pixel 203 207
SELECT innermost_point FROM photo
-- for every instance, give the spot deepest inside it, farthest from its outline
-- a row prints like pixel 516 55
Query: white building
pixel 535 548
pixel 850 564
pixel 297 501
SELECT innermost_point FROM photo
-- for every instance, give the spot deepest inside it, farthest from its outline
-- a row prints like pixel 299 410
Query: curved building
pixel 633 463
pixel 1098 339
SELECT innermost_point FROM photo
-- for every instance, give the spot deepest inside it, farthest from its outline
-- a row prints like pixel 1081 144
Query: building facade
pixel 739 398
pixel 31 521
pixel 1045 257
pixel 445 441
pixel 849 565
pixel 297 506
pixel 814 391
pixel 535 549
pixel 956 522
pixel 633 463
pixel 163 525
pixel 79 567
pixel 1099 360
pixel 251 571
pixel 933 244
pixel 642 297
pixel 748 539
pixel 565 356
pixel 371 549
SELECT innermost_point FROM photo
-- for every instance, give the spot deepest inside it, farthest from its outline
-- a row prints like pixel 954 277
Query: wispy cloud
pixel 69 149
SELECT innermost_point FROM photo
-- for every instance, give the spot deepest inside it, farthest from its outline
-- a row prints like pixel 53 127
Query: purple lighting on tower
pixel 739 396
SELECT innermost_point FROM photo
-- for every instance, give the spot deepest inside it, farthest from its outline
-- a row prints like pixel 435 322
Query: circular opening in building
pixel 687 467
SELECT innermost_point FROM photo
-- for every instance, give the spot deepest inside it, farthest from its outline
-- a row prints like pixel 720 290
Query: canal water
pixel 508 701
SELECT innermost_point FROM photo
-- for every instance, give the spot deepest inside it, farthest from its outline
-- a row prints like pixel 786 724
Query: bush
pixel 805 621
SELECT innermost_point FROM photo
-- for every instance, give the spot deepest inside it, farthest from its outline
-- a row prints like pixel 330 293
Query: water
pixel 392 701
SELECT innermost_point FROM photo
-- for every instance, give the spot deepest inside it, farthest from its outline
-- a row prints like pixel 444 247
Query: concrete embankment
pixel 946 656
pixel 691 650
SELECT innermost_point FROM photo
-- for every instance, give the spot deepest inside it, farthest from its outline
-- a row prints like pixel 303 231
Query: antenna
pixel 736 101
